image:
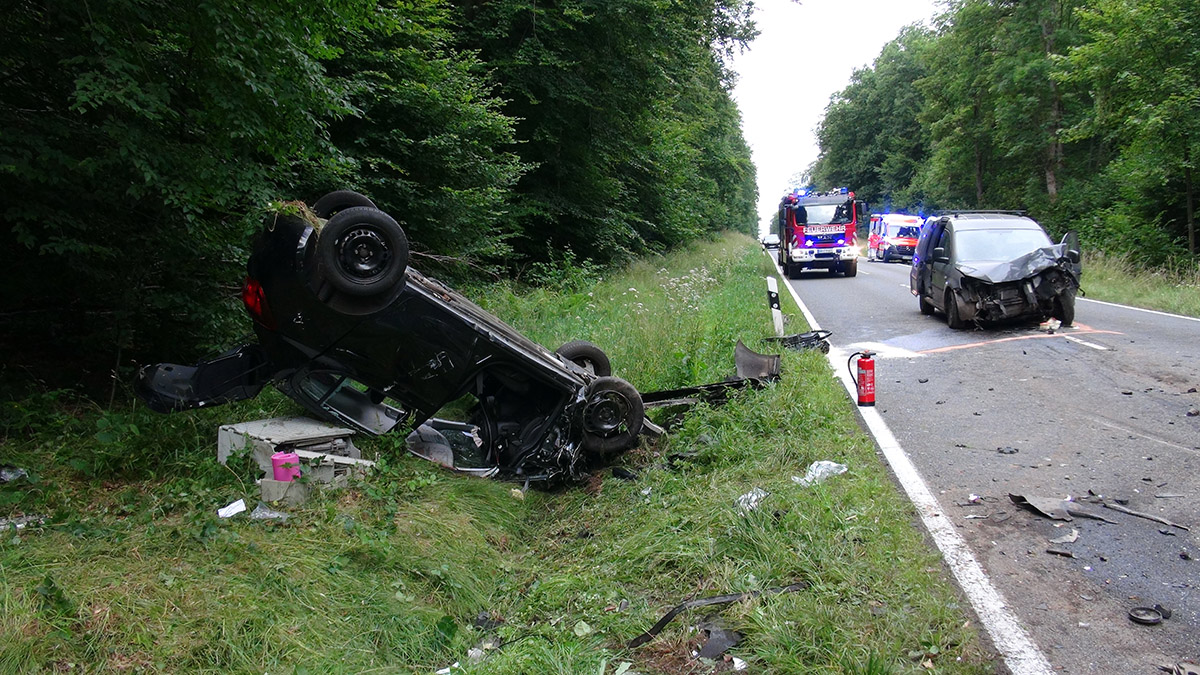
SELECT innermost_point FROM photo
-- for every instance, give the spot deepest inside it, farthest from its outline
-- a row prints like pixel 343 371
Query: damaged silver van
pixel 994 266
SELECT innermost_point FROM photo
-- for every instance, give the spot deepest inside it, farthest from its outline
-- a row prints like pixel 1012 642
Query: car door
pixel 940 265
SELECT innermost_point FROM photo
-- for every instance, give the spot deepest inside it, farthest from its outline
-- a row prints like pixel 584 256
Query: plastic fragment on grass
pixel 705 602
pixel 447 669
pixel 583 629
pixel 739 665
pixel 819 471
pixel 264 512
pixel 232 509
pixel 750 501
pixel 9 473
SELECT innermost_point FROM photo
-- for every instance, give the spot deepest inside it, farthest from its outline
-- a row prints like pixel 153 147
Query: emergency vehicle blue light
pixel 844 190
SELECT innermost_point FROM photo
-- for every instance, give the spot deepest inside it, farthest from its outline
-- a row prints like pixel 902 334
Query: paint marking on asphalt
pixel 1132 432
pixel 1080 330
pixel 1085 343
pixel 1020 653
pixel 1140 309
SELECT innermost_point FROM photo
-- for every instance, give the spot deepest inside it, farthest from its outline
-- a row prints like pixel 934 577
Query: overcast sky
pixel 804 54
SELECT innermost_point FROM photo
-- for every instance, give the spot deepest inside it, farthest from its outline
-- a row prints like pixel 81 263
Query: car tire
pixel 1064 309
pixel 363 251
pixel 587 356
pixel 612 416
pixel 850 268
pixel 926 306
pixel 340 200
pixel 793 271
pixel 953 320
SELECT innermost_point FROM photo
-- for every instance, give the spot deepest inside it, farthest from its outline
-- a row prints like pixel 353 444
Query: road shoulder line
pixel 1140 309
pixel 1010 638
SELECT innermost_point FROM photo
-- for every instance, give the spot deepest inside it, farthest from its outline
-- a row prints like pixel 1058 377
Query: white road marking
pixel 1020 653
pixel 1131 432
pixel 1140 309
pixel 1085 343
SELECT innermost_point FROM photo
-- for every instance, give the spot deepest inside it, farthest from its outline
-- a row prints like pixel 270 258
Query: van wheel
pixel 363 251
pixel 953 320
pixel 612 416
pixel 1064 308
pixel 587 356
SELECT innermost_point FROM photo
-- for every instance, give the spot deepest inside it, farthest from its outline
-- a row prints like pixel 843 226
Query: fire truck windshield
pixel 823 214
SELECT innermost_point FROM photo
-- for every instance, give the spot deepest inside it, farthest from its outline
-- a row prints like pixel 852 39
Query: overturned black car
pixel 350 331
pixel 992 266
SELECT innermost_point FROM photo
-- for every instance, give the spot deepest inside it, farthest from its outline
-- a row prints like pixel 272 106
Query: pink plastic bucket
pixel 286 466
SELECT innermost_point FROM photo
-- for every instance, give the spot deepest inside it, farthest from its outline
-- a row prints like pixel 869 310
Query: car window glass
pixel 998 245
pixel 909 231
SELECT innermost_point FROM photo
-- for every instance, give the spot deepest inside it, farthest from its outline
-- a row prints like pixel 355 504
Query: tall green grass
pixel 411 567
pixel 1116 278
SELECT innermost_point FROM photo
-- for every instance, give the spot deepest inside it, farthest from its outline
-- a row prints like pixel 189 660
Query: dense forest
pixel 142 142
pixel 1086 113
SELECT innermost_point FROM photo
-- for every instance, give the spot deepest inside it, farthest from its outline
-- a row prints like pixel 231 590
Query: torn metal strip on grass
pixel 705 602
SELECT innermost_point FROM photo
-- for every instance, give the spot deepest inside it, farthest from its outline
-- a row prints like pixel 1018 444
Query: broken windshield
pixel 997 245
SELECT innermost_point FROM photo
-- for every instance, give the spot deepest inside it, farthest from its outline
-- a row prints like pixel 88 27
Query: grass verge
pixel 409 569
pixel 1115 278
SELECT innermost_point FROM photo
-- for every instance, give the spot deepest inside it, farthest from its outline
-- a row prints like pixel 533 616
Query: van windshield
pixel 909 231
pixel 997 245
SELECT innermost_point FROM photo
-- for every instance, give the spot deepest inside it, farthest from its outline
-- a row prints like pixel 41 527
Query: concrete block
pixel 292 493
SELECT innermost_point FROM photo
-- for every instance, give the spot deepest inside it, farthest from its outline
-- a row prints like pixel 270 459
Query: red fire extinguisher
pixel 865 382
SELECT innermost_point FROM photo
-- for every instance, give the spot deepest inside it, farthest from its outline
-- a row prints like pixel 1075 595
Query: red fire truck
pixel 817 230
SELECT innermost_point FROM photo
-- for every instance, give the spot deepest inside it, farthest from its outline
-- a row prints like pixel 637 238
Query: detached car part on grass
pixel 991 267
pixel 357 337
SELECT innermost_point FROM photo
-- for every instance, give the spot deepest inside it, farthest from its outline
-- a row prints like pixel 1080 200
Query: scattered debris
pixel 749 501
pixel 1145 615
pixel 1066 538
pixel 9 473
pixel 1193 412
pixel 582 629
pixel 817 339
pixel 976 517
pixel 819 471
pixel 1163 530
pixel 1060 551
pixel 922 380
pixel 232 509
pixel 1057 509
pixel 1168 496
pixel 705 602
pixel 1139 514
pixel 264 512
pixel 1007 450
pixel 719 640
pixel 21 522
pixel 1051 325
pixel 623 474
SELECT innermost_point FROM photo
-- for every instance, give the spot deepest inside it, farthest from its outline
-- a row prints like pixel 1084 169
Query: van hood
pixel 1017 269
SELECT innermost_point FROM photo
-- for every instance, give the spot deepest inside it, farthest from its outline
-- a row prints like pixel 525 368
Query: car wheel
pixel 793 271
pixel 363 251
pixel 953 320
pixel 887 256
pixel 340 200
pixel 851 268
pixel 612 415
pixel 926 306
pixel 1064 309
pixel 587 356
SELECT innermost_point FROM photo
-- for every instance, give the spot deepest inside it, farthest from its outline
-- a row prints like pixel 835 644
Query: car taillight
pixel 256 302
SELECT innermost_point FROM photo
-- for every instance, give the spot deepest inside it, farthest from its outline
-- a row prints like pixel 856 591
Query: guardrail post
pixel 773 303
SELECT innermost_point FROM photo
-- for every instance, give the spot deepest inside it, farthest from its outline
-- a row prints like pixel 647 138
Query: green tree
pixel 1141 60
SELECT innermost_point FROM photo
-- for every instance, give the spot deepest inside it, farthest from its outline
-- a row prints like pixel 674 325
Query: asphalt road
pixel 1098 409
